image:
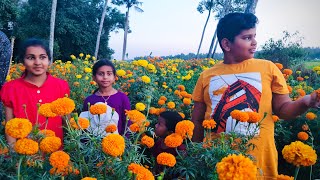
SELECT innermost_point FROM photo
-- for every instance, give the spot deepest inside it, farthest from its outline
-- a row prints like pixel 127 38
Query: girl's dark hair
pixel 35 43
pixel 100 63
pixel 233 24
pixel 171 118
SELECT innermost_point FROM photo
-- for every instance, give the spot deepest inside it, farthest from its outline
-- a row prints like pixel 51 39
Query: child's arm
pixel 9 115
pixel 197 118
pixel 285 108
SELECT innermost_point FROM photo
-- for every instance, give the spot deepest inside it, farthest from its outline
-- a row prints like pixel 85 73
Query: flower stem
pixel 19 167
pixel 296 173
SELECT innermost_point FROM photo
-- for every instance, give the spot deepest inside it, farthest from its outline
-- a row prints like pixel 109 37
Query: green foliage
pixel 285 51
pixel 9 13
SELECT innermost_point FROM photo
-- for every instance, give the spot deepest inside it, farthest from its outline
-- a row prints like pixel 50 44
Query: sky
pixel 170 27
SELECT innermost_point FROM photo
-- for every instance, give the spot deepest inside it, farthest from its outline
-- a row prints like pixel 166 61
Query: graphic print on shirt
pixel 99 124
pixel 234 91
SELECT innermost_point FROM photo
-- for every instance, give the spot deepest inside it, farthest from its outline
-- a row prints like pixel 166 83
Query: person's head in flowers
pixel 167 122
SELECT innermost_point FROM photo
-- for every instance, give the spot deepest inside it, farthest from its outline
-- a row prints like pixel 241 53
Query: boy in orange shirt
pixel 243 83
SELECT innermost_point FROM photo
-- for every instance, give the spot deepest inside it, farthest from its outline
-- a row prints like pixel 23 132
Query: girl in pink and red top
pixel 21 96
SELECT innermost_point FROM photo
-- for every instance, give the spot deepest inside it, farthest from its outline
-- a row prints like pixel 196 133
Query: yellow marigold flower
pixel 78 76
pixel 141 172
pixel 299 154
pixel 303 136
pixel 145 79
pixel 134 127
pixel 81 54
pixel 50 144
pixel 275 118
pixel 311 116
pixel 284 177
pixel 89 178
pixel 182 115
pixel 82 122
pixel 254 117
pixel 3 150
pixel 209 124
pixel 151 68
pixel 143 63
pixel 166 159
pixel 98 109
pixel 185 129
pixel 161 102
pixel 93 58
pixel 47 133
pixel 147 141
pixel 87 70
pixel 135 116
pixel 173 140
pixel 73 57
pixel 45 110
pixel 62 106
pixel 18 127
pixel 236 167
pixel 121 72
pixel 59 159
pixel 113 144
pixel 171 105
pixel 26 146
pixel 239 115
pixel 111 128
pixel 140 107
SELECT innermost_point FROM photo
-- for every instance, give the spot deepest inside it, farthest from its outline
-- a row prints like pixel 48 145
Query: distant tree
pixel 52 24
pixel 100 28
pixel 204 5
pixel 251 6
pixel 129 4
pixel 285 51
pixel 8 16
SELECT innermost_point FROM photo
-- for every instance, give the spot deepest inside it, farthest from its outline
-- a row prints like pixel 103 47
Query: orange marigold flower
pixel 280 66
pixel 47 133
pixel 287 72
pixel 236 167
pixel 113 144
pixel 318 93
pixel 300 78
pixel 84 123
pixel 173 140
pixel 171 105
pixel 59 159
pixel 299 154
pixel 163 98
pixel 62 106
pixel 45 110
pixel 26 146
pixel 289 89
pixel 135 116
pixel 182 115
pixel 311 116
pixel 3 150
pixel 111 128
pixel 181 87
pixel 254 117
pixel 209 124
pixel 18 127
pixel 303 136
pixel 98 109
pixel 185 129
pixel 141 172
pixel 166 159
pixel 239 115
pixel 305 127
pixel 89 178
pixel 275 118
pixel 147 141
pixel 284 177
pixel 186 101
pixel 64 171
pixel 50 144
pixel 134 127
pixel 301 92
pixel 161 102
pixel 153 110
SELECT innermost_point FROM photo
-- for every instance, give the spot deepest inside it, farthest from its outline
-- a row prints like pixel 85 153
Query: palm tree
pixel 129 4
pixel 100 28
pixel 208 6
pixel 52 24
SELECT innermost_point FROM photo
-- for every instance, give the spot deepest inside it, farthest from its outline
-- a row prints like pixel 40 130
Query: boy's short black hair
pixel 171 118
pixel 233 24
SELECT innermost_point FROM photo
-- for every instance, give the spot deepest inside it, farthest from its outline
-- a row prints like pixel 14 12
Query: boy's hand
pixel 314 99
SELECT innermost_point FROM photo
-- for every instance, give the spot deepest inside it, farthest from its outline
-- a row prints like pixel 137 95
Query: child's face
pixel 104 77
pixel 161 127
pixel 36 60
pixel 244 45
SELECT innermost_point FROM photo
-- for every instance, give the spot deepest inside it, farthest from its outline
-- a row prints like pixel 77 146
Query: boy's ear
pixel 225 43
